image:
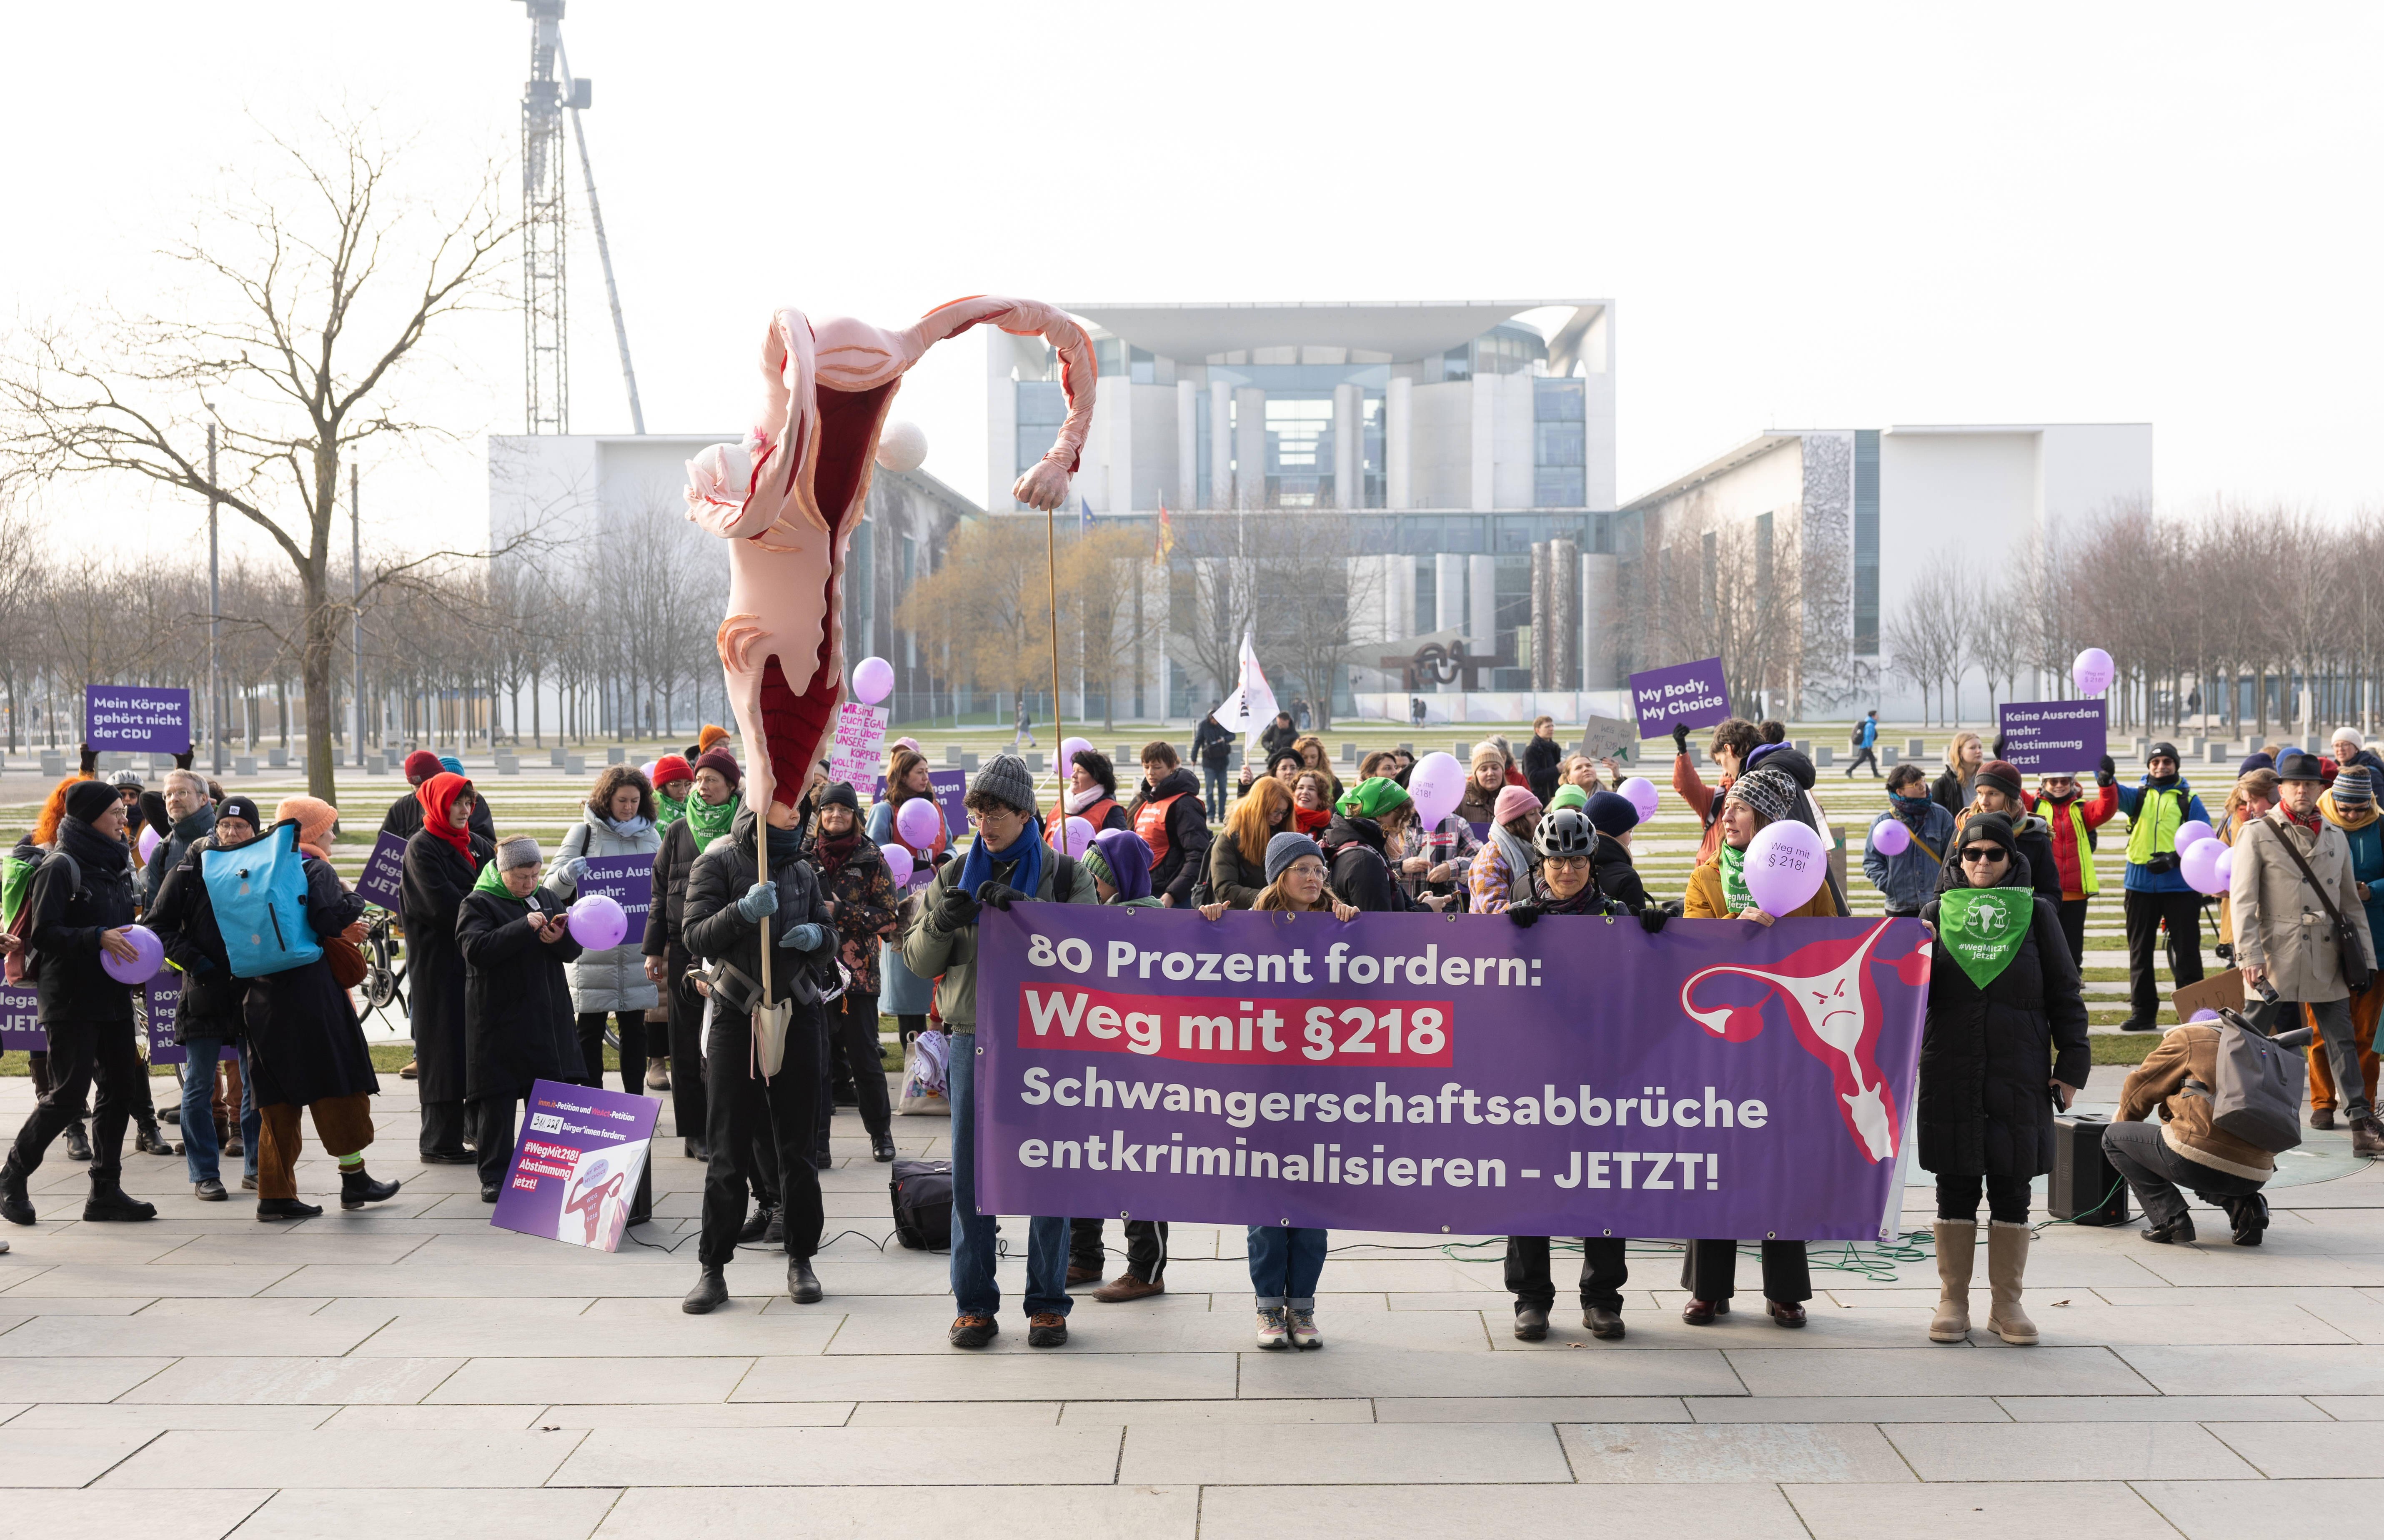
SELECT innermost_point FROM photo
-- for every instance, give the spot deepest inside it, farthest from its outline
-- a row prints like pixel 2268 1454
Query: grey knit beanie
pixel 2353 790
pixel 1005 778
pixel 1286 848
pixel 520 850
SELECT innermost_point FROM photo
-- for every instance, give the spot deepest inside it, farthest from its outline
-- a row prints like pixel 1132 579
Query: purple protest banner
pixel 1448 1074
pixel 21 1019
pixel 383 881
pixel 575 1167
pixel 137 718
pixel 2053 738
pixel 627 880
pixel 161 1003
pixel 1685 695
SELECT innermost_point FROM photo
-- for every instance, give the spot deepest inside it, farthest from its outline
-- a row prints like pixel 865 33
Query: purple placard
pixel 2053 738
pixel 1720 1078
pixel 161 1000
pixel 1685 695
pixel 137 718
pixel 383 881
pixel 951 795
pixel 21 1019
pixel 575 1167
pixel 627 880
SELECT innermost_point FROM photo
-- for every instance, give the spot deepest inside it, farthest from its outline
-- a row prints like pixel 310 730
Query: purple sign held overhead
pixel 576 1168
pixel 1685 695
pixel 2053 738
pixel 1428 1073
pixel 136 718
pixel 383 881
pixel 627 880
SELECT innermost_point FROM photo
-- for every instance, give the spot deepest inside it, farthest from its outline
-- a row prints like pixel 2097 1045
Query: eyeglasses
pixel 1565 863
pixel 1992 855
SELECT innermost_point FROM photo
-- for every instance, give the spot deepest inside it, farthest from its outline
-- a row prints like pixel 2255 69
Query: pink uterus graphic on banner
pixel 1834 1008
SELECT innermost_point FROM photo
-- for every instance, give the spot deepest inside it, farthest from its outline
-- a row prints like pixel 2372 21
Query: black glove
pixel 2104 771
pixel 1680 740
pixel 1652 918
pixel 955 911
pixel 999 895
pixel 1525 915
pixel 90 760
pixel 938 858
pixel 1999 745
pixel 182 759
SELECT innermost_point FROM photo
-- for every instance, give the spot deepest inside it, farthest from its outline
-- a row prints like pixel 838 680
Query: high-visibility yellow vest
pixel 2153 830
pixel 2087 886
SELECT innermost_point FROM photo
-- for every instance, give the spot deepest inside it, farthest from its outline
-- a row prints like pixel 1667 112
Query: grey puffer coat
pixel 614 980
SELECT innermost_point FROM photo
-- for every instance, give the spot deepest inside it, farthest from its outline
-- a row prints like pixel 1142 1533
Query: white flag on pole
pixel 1251 705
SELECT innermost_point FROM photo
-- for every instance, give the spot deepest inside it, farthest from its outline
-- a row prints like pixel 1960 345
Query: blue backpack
pixel 259 895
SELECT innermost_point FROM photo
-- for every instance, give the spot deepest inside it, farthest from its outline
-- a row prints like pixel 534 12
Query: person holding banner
pixel 2060 802
pixel 1237 861
pixel 861 891
pixel 1120 865
pixel 2003 1000
pixel 443 858
pixel 1732 740
pixel 710 808
pixel 1504 867
pixel 516 943
pixel 214 1002
pixel 1007 863
pixel 617 820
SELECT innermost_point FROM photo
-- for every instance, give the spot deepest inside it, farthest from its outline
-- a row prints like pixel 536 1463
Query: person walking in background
pixel 2004 1001
pixel 861 895
pixel 2287 899
pixel 2071 821
pixel 1908 878
pixel 1168 815
pixel 2157 896
pixel 1866 745
pixel 2350 806
pixel 443 859
pixel 1025 731
pixel 1732 742
pixel 1542 755
pixel 1964 755
pixel 617 820
pixel 1212 745
pixel 520 1029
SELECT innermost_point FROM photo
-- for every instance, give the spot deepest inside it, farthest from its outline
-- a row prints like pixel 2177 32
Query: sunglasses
pixel 1992 855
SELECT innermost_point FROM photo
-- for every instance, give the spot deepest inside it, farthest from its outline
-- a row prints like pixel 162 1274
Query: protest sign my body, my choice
pixel 136 718
pixel 1416 1073
pixel 1687 695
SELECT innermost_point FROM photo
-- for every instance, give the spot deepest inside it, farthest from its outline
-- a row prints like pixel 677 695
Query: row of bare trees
pixel 2223 621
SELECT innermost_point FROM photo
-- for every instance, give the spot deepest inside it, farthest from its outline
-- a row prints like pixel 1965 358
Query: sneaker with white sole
pixel 1303 1329
pixel 1275 1329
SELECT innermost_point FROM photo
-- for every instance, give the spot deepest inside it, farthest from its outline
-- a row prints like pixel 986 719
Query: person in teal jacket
pixel 2156 893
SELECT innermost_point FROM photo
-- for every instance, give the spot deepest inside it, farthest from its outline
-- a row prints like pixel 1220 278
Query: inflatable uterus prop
pixel 787 500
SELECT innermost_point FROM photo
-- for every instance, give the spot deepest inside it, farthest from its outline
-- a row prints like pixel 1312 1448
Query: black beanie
pixel 840 794
pixel 89 800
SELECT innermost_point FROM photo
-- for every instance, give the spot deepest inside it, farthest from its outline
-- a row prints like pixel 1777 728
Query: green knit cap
pixel 1568 796
pixel 1372 799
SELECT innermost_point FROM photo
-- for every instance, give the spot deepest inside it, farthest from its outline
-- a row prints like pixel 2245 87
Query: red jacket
pixel 2066 854
pixel 1702 799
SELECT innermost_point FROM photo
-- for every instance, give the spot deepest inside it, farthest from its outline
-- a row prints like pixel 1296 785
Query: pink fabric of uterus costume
pixel 788 498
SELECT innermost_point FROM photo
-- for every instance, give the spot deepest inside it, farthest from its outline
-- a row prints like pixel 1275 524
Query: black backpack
pixel 922 1204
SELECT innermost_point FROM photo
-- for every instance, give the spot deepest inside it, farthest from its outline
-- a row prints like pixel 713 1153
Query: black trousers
pixel 908 1027
pixel 1958 1192
pixel 1711 1271
pixel 1867 754
pixel 2155 1173
pixel 41 1062
pixel 2145 914
pixel 445 1126
pixel 852 1023
pixel 2073 927
pixel 1603 1272
pixel 743 1108
pixel 81 1052
pixel 1146 1245
pixel 686 1039
pixel 632 1026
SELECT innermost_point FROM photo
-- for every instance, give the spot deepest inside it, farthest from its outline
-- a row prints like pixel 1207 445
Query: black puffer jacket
pixel 214 1002
pixel 714 929
pixel 1542 758
pixel 1985 1109
pixel 666 916
pixel 1187 831
pixel 519 1025
pixel 1356 868
pixel 1611 869
pixel 68 917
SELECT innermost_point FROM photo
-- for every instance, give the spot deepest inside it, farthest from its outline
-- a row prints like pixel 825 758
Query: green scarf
pixel 1734 894
pixel 492 882
pixel 1983 928
pixel 708 822
pixel 667 811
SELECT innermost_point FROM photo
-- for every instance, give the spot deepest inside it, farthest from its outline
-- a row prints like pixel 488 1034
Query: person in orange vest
pixel 2072 818
pixel 1168 814
pixel 1091 795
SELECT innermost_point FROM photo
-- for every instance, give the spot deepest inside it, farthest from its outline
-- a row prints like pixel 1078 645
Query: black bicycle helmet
pixel 1564 831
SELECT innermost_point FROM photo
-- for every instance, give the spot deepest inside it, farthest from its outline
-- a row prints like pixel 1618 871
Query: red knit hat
pixel 672 768
pixel 420 765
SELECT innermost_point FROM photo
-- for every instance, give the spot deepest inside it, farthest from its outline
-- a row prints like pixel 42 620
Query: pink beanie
pixel 1515 802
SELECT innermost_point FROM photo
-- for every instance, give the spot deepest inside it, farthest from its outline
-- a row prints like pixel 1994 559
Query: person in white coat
pixel 617 820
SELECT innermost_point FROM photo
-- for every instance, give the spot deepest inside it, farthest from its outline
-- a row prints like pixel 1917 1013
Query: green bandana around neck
pixel 1734 894
pixel 667 811
pixel 708 822
pixel 1983 928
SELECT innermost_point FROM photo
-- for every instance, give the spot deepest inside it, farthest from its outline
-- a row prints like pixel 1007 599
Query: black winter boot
pixel 15 1206
pixel 710 1292
pixel 108 1201
pixel 358 1189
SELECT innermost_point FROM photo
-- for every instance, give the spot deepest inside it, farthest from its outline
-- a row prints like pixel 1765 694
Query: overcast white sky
pixel 1811 215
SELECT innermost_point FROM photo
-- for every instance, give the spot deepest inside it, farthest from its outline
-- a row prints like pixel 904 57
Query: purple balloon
pixel 2199 866
pixel 872 681
pixel 2192 832
pixel 1437 785
pixel 1640 793
pixel 1785 864
pixel 2227 866
pixel 897 862
pixel 1069 750
pixel 148 956
pixel 918 821
pixel 2205 1015
pixel 597 924
pixel 1077 835
pixel 2093 671
pixel 1888 837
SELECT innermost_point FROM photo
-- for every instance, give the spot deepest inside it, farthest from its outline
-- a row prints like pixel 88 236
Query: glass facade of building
pixel 1867 542
pixel 1560 444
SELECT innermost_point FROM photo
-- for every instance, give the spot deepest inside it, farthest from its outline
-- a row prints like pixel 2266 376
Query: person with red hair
pixel 442 860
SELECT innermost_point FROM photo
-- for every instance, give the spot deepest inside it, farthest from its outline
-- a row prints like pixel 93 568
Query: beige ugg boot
pixel 1957 1249
pixel 2007 1266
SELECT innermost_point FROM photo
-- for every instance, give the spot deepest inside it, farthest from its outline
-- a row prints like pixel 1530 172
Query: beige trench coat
pixel 2279 924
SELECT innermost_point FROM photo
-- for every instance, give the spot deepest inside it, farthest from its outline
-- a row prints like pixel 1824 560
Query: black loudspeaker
pixel 2085 1187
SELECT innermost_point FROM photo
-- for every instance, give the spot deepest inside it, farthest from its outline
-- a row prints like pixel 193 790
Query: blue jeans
pixel 1286 1261
pixel 1214 777
pixel 973 1285
pixel 199 1148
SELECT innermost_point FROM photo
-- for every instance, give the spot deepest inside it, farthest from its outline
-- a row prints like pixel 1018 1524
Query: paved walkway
pixel 395 1371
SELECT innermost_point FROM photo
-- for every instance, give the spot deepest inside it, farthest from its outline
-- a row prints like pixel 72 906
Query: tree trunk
pixel 320 650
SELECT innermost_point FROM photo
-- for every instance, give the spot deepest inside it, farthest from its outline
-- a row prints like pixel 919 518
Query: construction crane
pixel 550 90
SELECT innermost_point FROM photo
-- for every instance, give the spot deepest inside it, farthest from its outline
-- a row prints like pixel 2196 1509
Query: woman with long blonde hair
pixel 1964 755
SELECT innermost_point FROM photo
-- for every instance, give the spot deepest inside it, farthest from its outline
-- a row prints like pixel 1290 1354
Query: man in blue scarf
pixel 1007 862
